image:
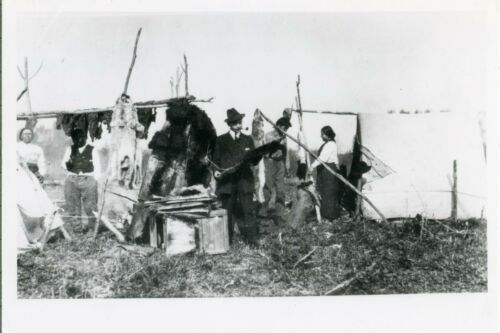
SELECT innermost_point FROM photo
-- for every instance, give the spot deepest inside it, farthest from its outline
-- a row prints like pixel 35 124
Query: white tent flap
pixel 420 150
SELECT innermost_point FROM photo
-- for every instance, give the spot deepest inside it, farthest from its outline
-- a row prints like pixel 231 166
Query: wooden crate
pixel 213 233
pixel 207 235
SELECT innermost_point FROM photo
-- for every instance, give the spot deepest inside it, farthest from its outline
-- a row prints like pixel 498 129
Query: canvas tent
pixel 421 148
pixel 34 209
pixel 412 159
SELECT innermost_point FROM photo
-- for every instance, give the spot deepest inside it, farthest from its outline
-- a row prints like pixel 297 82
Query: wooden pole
pixel 99 216
pixel 342 179
pixel 138 105
pixel 26 80
pixel 358 199
pixel 299 105
pixel 179 74
pixel 454 193
pixel 323 112
pixel 186 75
pixel 134 55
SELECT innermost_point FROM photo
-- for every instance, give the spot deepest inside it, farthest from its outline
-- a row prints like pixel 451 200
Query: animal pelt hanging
pixel 88 122
pixel 123 143
pixel 182 145
pixel 259 172
pixel 146 116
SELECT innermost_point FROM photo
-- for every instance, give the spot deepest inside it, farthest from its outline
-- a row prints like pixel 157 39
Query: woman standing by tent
pixel 328 185
pixel 31 154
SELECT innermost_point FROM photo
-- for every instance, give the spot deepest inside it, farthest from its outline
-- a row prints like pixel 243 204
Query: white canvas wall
pixel 420 148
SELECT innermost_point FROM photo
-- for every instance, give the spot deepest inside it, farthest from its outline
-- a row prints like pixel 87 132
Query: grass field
pixel 357 257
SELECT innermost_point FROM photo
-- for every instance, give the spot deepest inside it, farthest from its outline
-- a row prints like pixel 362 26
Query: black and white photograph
pixel 253 156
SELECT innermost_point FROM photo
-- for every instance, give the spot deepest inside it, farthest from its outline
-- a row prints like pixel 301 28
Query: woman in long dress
pixel 327 184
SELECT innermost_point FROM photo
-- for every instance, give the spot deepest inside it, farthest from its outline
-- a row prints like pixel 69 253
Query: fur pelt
pixel 182 145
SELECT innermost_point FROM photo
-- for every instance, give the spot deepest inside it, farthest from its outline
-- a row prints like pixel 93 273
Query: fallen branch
pixel 123 196
pixel 305 257
pixel 133 273
pixel 338 288
pixel 342 179
pixel 460 232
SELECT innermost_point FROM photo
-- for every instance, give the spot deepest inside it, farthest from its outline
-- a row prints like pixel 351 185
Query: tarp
pixel 417 153
pixel 34 207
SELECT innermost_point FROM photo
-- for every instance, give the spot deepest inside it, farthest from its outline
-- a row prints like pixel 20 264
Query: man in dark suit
pixel 235 189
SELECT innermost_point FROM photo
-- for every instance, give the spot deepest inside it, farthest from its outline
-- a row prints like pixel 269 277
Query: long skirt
pixel 329 189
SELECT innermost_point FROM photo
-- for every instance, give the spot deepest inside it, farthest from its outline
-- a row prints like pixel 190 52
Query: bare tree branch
pixel 179 74
pixel 134 55
pixel 36 72
pixel 20 72
pixel 22 93
pixel 172 86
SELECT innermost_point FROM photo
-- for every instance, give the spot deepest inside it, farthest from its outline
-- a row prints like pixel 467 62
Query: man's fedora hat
pixel 233 116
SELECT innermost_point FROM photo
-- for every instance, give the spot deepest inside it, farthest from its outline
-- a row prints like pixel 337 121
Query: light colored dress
pixel 30 153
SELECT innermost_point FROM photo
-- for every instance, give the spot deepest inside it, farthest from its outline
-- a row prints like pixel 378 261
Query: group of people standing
pixel 235 190
pixel 82 164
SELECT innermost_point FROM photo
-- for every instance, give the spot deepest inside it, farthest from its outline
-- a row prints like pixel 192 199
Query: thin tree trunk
pixel 134 55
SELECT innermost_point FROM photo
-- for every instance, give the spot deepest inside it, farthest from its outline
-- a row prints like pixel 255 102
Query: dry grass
pixel 407 258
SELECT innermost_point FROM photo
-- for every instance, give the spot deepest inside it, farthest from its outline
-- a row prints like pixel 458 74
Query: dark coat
pixel 228 153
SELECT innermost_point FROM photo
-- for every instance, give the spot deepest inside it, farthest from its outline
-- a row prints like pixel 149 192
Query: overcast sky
pixel 360 62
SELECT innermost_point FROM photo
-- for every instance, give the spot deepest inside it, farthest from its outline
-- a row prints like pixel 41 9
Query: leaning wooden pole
pixel 299 113
pixel 134 55
pixel 303 137
pixel 342 179
pixel 454 193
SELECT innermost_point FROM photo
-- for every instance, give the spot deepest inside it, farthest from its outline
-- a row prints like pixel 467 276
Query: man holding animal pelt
pixel 235 189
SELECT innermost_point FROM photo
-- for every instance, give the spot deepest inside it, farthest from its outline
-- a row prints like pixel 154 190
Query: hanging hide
pixel 178 156
pixel 182 146
pixel 259 169
pixel 123 146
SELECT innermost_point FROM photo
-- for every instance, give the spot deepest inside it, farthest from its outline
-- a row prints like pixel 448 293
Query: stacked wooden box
pixel 188 223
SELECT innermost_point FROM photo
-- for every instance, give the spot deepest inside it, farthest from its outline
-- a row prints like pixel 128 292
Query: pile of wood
pixel 197 204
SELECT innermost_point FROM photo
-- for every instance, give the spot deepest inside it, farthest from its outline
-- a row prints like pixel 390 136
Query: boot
pixel 250 236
